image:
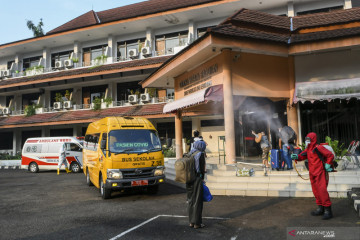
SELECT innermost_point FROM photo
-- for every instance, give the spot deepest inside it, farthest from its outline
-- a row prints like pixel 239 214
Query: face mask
pixel 307 142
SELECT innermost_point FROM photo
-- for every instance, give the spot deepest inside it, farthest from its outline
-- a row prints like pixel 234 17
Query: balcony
pixel 77 65
pixel 80 107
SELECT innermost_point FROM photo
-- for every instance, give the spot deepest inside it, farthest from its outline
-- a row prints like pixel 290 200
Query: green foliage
pixel 101 58
pixel 29 110
pixel 340 150
pixel 97 104
pixel 75 60
pixel 37 30
pixel 67 94
pixel 5 156
pixel 302 146
pixel 108 101
pixel 152 92
pixel 58 97
pixel 169 153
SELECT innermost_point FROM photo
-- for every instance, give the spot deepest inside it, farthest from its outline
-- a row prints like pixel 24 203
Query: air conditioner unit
pixel 67 104
pixel 145 98
pixel 57 105
pixel 133 53
pixel 1 112
pixel 59 64
pixel 146 51
pixel 6 73
pixel 6 111
pixel 1 74
pixel 69 63
pixel 133 99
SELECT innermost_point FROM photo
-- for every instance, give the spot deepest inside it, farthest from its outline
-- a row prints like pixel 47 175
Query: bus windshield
pixel 134 141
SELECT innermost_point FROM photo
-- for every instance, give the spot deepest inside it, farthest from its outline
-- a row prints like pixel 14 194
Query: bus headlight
pixel 159 171
pixel 114 174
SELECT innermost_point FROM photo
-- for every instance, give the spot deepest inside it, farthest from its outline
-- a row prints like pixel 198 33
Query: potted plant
pixel 75 61
pixel 39 109
pixel 96 104
pixel 58 100
pixel 106 102
pixel 29 110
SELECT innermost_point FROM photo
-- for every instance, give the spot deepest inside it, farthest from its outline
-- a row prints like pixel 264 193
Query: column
pixel 14 141
pixel 46 62
pixel 291 11
pixel 77 131
pixel 151 40
pixel 228 107
pixel 192 32
pixel 292 113
pixel 47 99
pixel 178 135
pixel 77 52
pixel 18 63
pixel 347 4
pixel 195 124
pixel 112 49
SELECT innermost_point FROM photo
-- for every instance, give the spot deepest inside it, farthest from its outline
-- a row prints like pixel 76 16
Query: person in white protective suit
pixel 62 159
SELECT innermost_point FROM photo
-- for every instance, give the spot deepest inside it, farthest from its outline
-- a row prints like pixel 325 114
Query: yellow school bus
pixel 123 152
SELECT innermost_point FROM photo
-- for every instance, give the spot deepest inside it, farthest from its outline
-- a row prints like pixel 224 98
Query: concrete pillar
pixel 18 62
pixel 228 107
pixel 150 37
pixel 18 140
pixel 178 135
pixel 112 48
pixel 195 124
pixel 17 102
pixel 192 32
pixel 292 112
pixel 77 131
pixel 291 11
pixel 112 90
pixel 47 99
pixel 46 62
pixel 347 4
pixel 14 150
pixel 43 131
pixel 77 51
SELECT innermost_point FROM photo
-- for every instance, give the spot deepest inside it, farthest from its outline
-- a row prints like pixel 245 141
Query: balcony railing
pixel 76 107
pixel 92 63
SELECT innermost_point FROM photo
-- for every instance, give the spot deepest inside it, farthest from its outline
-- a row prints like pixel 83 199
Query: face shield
pixel 307 142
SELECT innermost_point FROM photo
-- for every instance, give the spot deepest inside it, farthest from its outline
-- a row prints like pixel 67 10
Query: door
pixel 87 59
pixel 74 153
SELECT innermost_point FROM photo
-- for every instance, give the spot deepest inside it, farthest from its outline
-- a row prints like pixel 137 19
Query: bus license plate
pixel 139 183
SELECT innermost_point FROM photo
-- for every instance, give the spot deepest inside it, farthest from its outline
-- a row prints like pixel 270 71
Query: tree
pixel 37 30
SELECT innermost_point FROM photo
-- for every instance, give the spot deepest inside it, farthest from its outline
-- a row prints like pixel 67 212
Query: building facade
pixel 91 67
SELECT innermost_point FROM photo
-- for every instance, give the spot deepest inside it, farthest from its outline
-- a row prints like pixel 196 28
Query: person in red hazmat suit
pixel 320 163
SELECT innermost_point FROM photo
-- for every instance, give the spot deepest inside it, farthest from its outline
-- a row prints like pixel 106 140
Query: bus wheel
pixel 105 193
pixel 75 167
pixel 33 167
pixel 88 181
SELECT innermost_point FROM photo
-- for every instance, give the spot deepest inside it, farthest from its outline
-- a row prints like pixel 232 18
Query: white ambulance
pixel 43 153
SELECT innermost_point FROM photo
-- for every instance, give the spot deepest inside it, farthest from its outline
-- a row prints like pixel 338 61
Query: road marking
pixel 151 219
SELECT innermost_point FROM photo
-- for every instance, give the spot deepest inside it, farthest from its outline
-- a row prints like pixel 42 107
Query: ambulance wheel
pixel 75 167
pixel 105 193
pixel 88 181
pixel 33 167
pixel 153 189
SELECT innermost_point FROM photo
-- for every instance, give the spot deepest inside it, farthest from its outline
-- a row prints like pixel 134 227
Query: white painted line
pixel 151 219
pixel 132 229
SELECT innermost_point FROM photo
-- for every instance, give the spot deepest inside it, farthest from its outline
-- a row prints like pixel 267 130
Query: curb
pixel 10 167
pixel 354 199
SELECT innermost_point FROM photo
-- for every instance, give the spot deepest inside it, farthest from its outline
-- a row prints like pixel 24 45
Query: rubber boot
pixel 319 211
pixel 327 213
pixel 58 171
pixel 67 170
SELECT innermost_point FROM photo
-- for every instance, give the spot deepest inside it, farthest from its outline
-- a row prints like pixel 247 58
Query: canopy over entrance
pixel 214 93
pixel 327 90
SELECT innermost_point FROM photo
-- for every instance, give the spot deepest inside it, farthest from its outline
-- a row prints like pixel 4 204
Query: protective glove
pixel 328 167
pixel 294 156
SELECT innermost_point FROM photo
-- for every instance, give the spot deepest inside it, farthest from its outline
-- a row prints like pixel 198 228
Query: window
pixel 73 147
pixel 93 52
pixel 62 92
pixel 165 43
pixel 30 99
pixel 31 62
pixel 130 141
pixel 6 140
pixel 91 141
pixel 329 9
pixel 212 123
pixel 61 56
pixel 90 93
pixel 124 47
pixel 9 64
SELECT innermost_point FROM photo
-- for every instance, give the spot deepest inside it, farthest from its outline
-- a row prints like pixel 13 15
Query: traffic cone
pixel 67 170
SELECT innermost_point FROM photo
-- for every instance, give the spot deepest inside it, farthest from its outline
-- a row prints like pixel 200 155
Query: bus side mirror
pixel 103 144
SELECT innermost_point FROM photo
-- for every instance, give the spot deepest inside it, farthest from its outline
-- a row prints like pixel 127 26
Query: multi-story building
pixel 91 67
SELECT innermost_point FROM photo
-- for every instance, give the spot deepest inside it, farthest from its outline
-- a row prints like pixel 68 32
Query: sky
pixel 14 14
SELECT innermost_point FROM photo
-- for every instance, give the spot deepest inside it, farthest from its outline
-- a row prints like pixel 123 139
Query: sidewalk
pixel 10 164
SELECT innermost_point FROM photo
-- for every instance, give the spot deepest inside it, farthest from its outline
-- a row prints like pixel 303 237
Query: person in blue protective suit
pixel 320 163
pixel 195 189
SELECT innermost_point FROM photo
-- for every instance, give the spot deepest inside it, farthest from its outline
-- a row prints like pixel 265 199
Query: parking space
pixel 48 206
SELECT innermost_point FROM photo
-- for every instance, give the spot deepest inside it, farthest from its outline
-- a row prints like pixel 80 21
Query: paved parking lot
pixel 47 206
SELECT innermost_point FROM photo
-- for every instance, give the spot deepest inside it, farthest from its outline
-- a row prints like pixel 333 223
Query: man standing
pixel 318 172
pixel 62 159
pixel 265 146
pixel 287 140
